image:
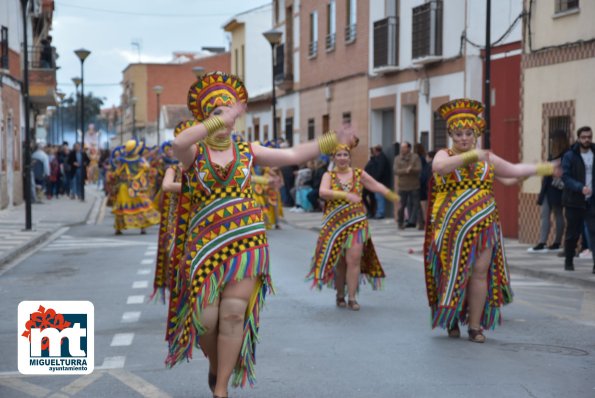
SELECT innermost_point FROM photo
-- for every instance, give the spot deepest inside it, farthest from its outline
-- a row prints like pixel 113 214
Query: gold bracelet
pixel 328 142
pixel 392 196
pixel 213 124
pixel 545 169
pixel 469 157
pixel 339 195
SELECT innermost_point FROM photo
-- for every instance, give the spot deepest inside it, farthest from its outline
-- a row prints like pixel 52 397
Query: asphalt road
pixel 308 348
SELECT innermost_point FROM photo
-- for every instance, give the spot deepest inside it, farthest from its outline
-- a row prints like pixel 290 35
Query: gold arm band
pixel 392 196
pixel 339 195
pixel 213 124
pixel 545 169
pixel 259 179
pixel 469 157
pixel 328 142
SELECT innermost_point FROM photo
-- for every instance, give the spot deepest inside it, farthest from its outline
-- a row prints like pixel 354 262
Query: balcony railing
pixel 313 49
pixel 386 42
pixel 330 41
pixel 350 33
pixel 42 57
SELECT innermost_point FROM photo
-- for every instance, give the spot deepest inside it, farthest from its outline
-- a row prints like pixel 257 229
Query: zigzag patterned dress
pixel 463 222
pixel 221 234
pixel 344 224
pixel 168 205
pixel 132 207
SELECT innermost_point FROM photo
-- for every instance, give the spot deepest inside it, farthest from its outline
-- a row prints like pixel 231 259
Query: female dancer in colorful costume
pixel 466 273
pixel 167 199
pixel 266 184
pixel 132 207
pixel 223 276
pixel 345 250
pixel 114 163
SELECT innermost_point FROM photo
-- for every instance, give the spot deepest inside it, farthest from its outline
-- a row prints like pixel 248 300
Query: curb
pixel 41 238
pixel 553 277
pixel 38 240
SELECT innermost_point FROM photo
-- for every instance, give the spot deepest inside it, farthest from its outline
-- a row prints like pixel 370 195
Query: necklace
pixel 218 144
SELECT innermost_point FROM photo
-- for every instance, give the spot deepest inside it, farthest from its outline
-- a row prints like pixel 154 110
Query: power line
pixel 142 14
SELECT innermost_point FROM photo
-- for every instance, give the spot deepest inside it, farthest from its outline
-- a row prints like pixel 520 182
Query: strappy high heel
pixel 353 305
pixel 476 335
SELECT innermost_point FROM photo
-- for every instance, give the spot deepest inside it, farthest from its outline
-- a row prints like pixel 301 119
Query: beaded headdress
pixel 213 90
pixel 463 113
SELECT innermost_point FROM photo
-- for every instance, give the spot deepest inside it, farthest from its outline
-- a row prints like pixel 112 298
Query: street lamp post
pixel 487 84
pixel 82 54
pixel 27 160
pixel 61 113
pixel 274 38
pixel 133 101
pixel 158 90
pixel 77 83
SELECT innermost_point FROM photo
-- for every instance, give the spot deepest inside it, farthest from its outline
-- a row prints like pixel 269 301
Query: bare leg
pixel 478 288
pixel 340 274
pixel 232 310
pixel 353 258
pixel 209 318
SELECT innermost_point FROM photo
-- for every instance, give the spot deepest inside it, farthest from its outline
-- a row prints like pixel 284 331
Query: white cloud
pixel 132 57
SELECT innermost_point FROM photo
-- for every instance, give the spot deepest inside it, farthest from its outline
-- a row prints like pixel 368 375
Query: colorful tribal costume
pixel 268 195
pixel 221 233
pixel 132 208
pixel 110 182
pixel 167 206
pixel 344 224
pixel 462 222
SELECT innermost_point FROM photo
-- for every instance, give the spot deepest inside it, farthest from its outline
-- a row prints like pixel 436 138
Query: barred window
pixel 440 132
pixel 311 130
pixel 566 5
pixel 4 47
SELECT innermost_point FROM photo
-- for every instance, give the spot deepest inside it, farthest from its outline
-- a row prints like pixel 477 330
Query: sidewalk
pixel 410 241
pixel 47 218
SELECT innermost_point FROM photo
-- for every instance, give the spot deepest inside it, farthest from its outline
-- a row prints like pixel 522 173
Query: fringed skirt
pixel 132 212
pixel 454 240
pixel 343 226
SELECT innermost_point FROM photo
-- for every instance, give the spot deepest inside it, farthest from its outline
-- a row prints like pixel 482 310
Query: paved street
pixel 308 348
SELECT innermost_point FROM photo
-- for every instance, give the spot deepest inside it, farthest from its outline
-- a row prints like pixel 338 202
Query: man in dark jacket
pixel 78 162
pixel 577 197
pixel 382 175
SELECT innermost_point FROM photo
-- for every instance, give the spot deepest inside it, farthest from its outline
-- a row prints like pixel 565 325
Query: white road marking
pixel 131 316
pixel 122 339
pixel 112 363
pixel 139 385
pixel 135 300
pixel 140 284
pixel 143 271
pixel 147 261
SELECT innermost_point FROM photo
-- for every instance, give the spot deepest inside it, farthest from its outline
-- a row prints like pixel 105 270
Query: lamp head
pixel 273 36
pixel 158 89
pixel 76 81
pixel 198 71
pixel 82 54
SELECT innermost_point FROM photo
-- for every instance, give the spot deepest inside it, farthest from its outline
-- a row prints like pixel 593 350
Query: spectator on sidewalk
pixel 55 174
pixel 288 173
pixel 382 175
pixel 368 197
pixel 65 168
pixel 407 168
pixel 550 199
pixel 424 177
pixel 77 162
pixel 303 185
pixel 577 197
pixel 314 195
pixel 40 164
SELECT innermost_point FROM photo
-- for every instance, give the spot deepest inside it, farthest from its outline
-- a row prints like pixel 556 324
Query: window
pixel 557 125
pixel 330 25
pixel 313 48
pixel 4 47
pixel 424 139
pixel 427 30
pixel 566 5
pixel 440 132
pixel 289 130
pixel 386 42
pixel 311 130
pixel 346 117
pixel 350 30
pixel 325 123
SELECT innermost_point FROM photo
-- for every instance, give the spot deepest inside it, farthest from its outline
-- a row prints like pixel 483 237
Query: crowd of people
pixel 61 170
pixel 214 196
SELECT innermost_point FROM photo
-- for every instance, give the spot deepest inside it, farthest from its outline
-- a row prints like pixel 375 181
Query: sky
pixel 108 28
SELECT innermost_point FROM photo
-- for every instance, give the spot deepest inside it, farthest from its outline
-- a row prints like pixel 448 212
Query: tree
pixel 92 111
